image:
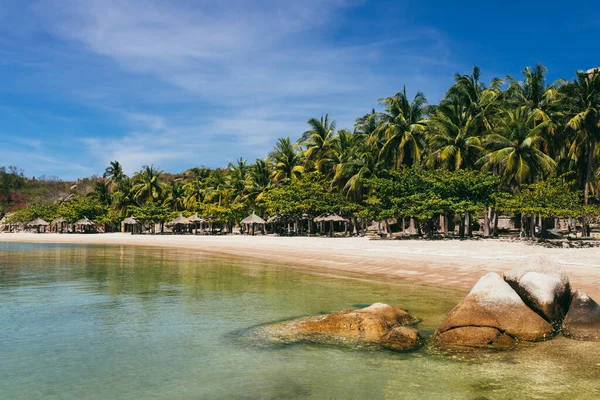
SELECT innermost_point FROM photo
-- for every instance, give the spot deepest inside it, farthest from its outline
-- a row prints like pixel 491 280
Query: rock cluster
pixel 530 303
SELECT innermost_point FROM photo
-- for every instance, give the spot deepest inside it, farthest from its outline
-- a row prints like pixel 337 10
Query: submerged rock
pixel 583 319
pixel 492 315
pixel 377 324
pixel 544 287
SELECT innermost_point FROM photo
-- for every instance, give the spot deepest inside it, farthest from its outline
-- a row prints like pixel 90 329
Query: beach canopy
pixel 178 221
pixel 329 218
pixel 38 222
pixel 84 222
pixel 253 219
pixel 194 219
pixel 60 220
pixel 130 221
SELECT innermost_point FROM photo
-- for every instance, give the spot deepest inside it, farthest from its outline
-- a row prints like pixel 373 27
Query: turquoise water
pixel 100 322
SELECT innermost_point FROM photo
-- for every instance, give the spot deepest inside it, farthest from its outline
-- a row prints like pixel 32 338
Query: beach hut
pixel 178 224
pixel 253 220
pixel 331 218
pixel 84 225
pixel 38 224
pixel 195 220
pixel 131 225
pixel 58 225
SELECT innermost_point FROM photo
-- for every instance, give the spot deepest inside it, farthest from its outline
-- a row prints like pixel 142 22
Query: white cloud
pixel 206 82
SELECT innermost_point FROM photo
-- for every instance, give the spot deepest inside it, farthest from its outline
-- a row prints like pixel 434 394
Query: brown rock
pixel 544 287
pixel 493 312
pixel 583 319
pixel 379 323
pixel 476 336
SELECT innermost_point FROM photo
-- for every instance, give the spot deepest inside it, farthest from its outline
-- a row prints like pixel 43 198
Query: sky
pixel 181 84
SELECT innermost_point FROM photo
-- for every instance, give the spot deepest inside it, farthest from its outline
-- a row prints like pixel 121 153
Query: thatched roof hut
pixel 181 220
pixel 38 222
pixel 253 219
pixel 195 219
pixel 57 221
pixel 334 218
pixel 130 221
pixel 85 221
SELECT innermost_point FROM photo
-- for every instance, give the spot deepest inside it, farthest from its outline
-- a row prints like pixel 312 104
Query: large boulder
pixel 544 287
pixel 583 319
pixel 377 324
pixel 492 315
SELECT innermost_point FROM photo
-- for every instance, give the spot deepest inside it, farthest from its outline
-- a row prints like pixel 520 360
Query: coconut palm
pixel 101 191
pixel 317 142
pixel 114 172
pixel 259 179
pixel 147 186
pixel 583 108
pixel 514 147
pixel 287 163
pixel 196 187
pixel 401 130
pixel 238 174
pixel 453 136
pixel 176 196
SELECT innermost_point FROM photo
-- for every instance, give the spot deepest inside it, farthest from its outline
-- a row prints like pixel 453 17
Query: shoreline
pixel 449 263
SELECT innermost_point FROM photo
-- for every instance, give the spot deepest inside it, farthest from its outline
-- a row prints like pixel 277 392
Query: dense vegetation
pixel 524 147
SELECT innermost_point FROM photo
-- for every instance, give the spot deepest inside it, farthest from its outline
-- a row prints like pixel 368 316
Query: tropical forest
pixel 522 147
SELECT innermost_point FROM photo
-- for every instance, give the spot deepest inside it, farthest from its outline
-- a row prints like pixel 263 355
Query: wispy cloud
pixel 189 83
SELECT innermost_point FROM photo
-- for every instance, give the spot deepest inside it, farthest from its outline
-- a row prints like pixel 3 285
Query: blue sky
pixel 188 83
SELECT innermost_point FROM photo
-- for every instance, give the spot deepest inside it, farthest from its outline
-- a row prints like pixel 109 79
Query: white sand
pixel 453 263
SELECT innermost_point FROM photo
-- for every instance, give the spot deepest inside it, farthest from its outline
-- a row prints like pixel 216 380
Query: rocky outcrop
pixel 377 324
pixel 492 315
pixel 544 287
pixel 583 319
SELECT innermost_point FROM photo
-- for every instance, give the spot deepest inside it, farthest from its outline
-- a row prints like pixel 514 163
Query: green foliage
pixel 82 207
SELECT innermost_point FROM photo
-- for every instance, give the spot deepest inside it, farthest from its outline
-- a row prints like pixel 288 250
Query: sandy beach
pixel 452 263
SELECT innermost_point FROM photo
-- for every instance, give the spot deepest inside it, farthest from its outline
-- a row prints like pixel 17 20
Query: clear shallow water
pixel 128 323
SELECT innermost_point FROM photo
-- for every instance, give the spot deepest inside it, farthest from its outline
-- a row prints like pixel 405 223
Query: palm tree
pixel 515 148
pixel 101 191
pixel 147 186
pixel 583 105
pixel 317 141
pixel 286 161
pixel 454 140
pixel 176 196
pixel 259 179
pixel 114 172
pixel 237 177
pixel 353 161
pixel 123 195
pixel 541 99
pixel 196 186
pixel 401 129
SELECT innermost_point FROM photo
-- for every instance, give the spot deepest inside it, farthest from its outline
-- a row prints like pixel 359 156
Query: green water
pixel 93 322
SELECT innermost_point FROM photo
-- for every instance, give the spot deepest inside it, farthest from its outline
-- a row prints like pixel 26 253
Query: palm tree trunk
pixel 468 224
pixel 588 177
pixel 486 221
pixel 387 228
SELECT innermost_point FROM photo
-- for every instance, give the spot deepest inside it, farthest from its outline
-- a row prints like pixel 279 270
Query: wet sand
pixel 448 263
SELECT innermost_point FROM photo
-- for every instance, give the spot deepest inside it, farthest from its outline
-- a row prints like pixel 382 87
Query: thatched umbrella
pixel 331 218
pixel 253 220
pixel 195 220
pixel 38 223
pixel 84 224
pixel 59 221
pixel 177 222
pixel 131 221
